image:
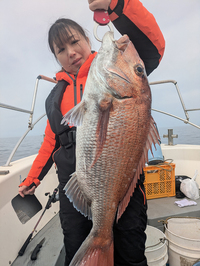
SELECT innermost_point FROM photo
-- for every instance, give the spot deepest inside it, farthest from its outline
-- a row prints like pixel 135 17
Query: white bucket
pixel 155 247
pixel 183 235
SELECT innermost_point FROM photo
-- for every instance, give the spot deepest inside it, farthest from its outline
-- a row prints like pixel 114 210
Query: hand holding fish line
pixel 101 16
pixel 99 4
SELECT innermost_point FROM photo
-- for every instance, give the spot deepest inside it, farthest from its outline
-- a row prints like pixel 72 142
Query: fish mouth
pixel 121 45
pixel 120 62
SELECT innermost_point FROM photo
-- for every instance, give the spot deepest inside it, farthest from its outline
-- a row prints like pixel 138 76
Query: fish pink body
pixel 115 130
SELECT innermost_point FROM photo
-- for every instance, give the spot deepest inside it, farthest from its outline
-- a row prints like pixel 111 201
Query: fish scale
pixel 113 138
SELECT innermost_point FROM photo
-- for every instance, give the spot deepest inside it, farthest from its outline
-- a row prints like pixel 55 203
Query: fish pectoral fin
pixel 75 116
pixel 76 196
pixel 105 105
pixel 152 138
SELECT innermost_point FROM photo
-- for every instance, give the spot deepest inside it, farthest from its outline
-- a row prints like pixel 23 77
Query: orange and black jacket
pixel 129 17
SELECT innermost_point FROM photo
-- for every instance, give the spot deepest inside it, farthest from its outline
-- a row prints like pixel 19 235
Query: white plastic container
pixel 183 235
pixel 155 247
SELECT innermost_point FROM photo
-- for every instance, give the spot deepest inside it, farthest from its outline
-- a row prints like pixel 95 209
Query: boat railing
pixel 186 120
pixel 31 111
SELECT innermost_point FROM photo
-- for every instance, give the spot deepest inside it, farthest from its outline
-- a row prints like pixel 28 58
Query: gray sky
pixel 24 54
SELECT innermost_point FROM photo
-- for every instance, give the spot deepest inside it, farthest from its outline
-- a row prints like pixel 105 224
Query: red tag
pixel 101 17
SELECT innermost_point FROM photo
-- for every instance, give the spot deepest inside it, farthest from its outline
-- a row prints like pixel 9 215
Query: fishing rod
pixel 52 199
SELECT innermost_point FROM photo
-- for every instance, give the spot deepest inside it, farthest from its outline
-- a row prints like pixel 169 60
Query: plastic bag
pixel 190 187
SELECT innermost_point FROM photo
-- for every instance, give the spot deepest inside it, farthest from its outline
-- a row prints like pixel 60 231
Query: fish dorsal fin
pixel 152 138
pixel 76 196
pixel 105 105
pixel 75 116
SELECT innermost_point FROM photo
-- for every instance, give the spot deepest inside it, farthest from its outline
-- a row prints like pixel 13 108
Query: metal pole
pixel 14 108
pixel 33 103
pixel 184 120
pixel 20 140
pixel 178 91
pixel 30 125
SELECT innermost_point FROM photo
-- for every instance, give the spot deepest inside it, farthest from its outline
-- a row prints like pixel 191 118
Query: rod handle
pixel 47 78
pixel 23 248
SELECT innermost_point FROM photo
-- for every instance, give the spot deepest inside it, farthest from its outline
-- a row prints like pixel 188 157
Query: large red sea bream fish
pixel 115 130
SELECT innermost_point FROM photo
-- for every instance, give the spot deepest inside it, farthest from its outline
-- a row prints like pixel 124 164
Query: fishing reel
pixel 52 198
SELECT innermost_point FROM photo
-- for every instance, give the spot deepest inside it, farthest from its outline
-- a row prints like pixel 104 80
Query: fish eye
pixel 139 70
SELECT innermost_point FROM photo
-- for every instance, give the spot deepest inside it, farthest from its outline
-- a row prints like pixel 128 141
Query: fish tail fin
pixel 94 252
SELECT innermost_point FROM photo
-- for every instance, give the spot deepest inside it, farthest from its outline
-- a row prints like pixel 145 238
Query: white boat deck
pixel 51 252
pixel 163 208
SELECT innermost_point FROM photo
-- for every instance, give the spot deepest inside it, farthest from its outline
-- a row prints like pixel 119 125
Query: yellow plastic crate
pixel 160 181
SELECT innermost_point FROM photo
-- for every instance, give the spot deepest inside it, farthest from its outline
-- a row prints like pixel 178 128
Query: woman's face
pixel 73 53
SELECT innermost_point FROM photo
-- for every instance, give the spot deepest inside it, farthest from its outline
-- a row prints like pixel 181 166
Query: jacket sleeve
pixel 44 160
pixel 132 18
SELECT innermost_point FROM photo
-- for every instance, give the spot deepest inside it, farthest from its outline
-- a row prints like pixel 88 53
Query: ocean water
pixel 186 135
pixel 31 144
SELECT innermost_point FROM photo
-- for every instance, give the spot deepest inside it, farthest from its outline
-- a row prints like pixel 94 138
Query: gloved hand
pixel 99 4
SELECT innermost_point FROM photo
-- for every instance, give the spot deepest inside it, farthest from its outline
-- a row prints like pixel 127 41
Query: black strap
pixel 68 137
pixel 118 9
pixel 53 108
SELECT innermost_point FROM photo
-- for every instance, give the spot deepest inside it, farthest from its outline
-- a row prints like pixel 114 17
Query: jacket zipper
pixel 74 82
pixel 75 96
pixel 81 91
pixel 54 154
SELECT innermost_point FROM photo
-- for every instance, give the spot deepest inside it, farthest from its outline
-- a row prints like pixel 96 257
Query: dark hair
pixel 60 31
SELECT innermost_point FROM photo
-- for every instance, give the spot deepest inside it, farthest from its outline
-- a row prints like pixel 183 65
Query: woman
pixel 71 47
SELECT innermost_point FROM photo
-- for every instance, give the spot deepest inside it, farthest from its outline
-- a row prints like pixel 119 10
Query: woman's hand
pixel 24 190
pixel 99 4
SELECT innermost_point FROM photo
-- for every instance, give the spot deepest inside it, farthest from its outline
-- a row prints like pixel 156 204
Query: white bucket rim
pixel 162 259
pixel 155 249
pixel 189 239
pixel 179 246
pixel 160 242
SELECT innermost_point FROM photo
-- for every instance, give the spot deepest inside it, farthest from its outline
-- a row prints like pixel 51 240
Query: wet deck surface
pixel 51 251
pixel 163 208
